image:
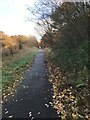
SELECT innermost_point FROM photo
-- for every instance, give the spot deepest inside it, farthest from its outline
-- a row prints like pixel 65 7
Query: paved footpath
pixel 33 94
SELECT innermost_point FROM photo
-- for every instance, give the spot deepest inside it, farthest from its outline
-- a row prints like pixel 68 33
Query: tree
pixel 65 31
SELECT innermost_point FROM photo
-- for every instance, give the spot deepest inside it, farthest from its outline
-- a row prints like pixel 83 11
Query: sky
pixel 13 15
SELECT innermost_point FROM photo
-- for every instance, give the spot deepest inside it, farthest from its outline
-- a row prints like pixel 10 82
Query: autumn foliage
pixel 12 44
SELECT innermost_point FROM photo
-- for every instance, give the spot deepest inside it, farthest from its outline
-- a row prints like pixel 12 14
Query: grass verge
pixel 13 71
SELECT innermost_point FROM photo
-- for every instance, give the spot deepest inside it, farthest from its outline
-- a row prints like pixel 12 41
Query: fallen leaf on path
pixel 46 105
pixel 10 116
pixel 6 112
pixel 30 114
pixel 5 109
pixel 32 118
pixel 38 113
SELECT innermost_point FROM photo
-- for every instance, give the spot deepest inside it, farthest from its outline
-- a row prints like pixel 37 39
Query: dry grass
pixel 18 56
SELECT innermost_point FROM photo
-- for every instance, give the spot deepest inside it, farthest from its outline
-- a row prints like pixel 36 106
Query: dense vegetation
pixel 70 41
pixel 66 34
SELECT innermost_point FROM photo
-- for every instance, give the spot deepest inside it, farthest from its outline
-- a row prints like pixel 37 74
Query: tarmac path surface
pixel 34 94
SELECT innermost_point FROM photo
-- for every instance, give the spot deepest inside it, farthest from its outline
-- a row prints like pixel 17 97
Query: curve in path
pixel 33 94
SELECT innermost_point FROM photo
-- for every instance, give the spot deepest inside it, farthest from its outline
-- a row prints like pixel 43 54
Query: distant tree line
pixel 12 44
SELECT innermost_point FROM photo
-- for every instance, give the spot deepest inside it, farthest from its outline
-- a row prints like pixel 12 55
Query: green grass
pixel 15 71
pixel 21 63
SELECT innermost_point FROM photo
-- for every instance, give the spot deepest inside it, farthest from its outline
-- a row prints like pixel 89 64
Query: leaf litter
pixel 66 98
